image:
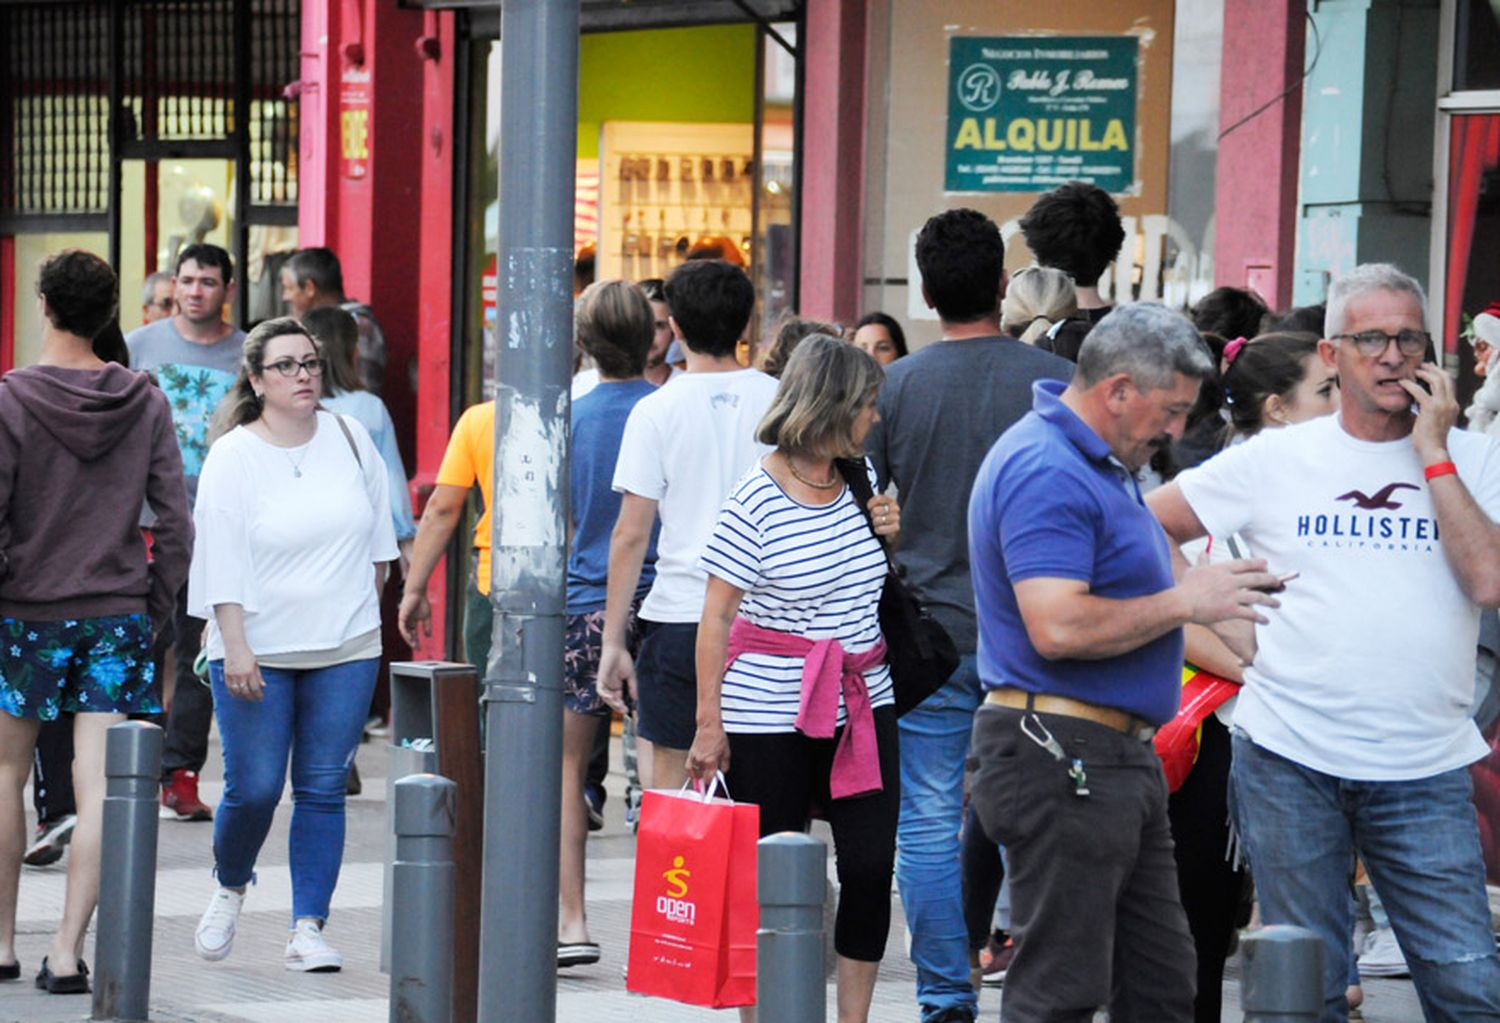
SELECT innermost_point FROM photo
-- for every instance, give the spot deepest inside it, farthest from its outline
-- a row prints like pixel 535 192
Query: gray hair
pixel 1150 342
pixel 148 292
pixel 1362 280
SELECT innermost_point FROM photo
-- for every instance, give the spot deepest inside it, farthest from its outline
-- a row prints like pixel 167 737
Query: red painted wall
pixel 1255 235
pixel 391 227
pixel 342 211
pixel 833 155
pixel 435 281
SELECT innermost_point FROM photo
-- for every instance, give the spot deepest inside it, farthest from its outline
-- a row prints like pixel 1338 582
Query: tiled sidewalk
pixel 253 987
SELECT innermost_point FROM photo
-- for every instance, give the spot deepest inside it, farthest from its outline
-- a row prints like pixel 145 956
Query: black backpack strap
pixel 858 482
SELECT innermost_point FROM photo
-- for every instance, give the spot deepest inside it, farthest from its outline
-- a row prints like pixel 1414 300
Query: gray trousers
pixel 1095 910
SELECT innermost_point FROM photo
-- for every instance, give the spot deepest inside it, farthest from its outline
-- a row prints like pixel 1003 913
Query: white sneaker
pixel 215 934
pixel 1383 956
pixel 307 951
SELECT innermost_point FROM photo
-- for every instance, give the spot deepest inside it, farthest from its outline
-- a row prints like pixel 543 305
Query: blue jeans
pixel 1419 841
pixel 934 746
pixel 315 716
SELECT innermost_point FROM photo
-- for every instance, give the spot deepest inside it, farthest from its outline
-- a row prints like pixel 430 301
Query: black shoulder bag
pixel 919 651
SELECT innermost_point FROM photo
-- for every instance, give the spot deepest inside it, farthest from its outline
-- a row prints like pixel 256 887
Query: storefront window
pixel 1478 41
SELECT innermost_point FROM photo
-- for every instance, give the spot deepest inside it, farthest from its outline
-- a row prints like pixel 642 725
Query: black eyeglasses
pixel 290 367
pixel 1375 342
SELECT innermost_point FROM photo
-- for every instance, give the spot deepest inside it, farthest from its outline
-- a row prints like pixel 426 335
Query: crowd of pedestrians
pixel 1214 583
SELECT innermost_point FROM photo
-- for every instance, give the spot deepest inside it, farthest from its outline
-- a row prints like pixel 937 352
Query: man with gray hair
pixel 1080 650
pixel 157 297
pixel 1352 734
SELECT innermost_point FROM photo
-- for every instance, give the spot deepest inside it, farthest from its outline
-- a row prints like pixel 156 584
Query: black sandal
pixel 73 984
pixel 10 971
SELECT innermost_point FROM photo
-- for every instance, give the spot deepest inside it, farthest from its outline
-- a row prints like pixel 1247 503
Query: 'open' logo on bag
pixel 674 904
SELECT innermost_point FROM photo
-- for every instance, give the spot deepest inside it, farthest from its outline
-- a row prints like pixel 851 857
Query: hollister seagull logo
pixel 674 905
pixel 1380 500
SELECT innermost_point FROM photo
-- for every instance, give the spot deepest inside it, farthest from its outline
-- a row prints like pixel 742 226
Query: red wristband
pixel 1437 469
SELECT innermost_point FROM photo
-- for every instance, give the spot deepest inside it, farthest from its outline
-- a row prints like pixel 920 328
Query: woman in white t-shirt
pixel 1272 381
pixel 794 696
pixel 293 536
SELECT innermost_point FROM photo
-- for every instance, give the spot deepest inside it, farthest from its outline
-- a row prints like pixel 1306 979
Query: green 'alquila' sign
pixel 1026 113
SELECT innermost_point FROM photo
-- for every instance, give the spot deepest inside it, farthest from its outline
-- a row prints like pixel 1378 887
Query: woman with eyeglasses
pixel 293 536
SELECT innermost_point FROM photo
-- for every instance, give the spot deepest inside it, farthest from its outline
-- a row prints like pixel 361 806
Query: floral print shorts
pixel 100 665
pixel 582 642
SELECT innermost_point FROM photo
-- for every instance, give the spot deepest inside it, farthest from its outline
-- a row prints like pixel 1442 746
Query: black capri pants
pixel 786 775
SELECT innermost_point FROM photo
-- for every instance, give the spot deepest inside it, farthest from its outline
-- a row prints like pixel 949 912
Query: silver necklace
pixel 297 462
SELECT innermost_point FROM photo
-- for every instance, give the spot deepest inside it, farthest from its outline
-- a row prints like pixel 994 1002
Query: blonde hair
pixel 825 386
pixel 1037 297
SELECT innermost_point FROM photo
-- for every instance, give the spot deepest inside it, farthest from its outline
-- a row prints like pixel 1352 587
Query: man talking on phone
pixel 1352 735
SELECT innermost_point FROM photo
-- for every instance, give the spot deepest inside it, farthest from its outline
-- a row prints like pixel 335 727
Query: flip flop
pixel 577 953
pixel 73 984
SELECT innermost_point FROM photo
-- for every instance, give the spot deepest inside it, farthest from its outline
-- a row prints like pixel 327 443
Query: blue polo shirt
pixel 1051 502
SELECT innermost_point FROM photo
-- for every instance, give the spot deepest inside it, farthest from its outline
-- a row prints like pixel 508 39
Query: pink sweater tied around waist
pixel 827 670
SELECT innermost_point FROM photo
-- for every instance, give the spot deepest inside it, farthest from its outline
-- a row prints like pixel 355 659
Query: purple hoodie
pixel 80 450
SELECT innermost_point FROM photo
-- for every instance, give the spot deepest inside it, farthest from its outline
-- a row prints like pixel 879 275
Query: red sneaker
pixel 995 961
pixel 179 798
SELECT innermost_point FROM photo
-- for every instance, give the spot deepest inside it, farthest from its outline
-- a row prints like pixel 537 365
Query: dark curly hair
pixel 711 300
pixel 1075 228
pixel 81 291
pixel 962 258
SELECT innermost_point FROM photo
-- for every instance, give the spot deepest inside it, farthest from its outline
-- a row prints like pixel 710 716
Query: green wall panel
pixel 679 74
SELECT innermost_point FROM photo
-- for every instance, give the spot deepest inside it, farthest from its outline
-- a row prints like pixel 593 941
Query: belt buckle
pixel 1140 731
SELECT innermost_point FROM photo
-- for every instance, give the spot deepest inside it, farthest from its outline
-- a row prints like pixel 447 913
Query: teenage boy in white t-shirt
pixel 683 450
pixel 1352 734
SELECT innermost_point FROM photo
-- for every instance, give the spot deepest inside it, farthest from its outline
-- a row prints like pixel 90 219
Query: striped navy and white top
pixel 812 570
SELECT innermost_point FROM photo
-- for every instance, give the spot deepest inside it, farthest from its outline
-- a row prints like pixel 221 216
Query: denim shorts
pixel 100 665
pixel 666 678
pixel 582 642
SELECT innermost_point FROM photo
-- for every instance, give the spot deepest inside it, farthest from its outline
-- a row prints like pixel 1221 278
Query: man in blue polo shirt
pixel 1080 650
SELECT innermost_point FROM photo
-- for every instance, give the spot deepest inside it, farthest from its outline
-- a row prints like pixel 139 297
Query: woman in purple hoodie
pixel 83 444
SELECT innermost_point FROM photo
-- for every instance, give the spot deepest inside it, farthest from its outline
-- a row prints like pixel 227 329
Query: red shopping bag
pixel 695 914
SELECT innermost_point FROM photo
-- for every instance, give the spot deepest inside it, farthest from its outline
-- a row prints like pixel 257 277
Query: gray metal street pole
pixel 523 679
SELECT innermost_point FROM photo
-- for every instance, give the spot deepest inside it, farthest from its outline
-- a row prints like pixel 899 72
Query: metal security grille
pixel 275 61
pixel 178 70
pixel 54 145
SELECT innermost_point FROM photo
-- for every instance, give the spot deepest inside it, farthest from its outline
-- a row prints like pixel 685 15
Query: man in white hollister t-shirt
pixel 1353 734
pixel 683 450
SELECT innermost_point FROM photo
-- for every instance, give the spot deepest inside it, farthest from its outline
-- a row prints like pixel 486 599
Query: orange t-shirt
pixel 470 459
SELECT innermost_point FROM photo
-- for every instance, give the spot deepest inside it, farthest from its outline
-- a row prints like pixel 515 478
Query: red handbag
pixel 695 911
pixel 1178 740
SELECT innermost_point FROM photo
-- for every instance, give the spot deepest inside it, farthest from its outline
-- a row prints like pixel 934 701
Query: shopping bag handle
pixel 708 792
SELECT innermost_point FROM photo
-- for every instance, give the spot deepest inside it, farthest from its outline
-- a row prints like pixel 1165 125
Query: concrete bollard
pixel 792 875
pixel 127 872
pixel 422 886
pixel 1282 975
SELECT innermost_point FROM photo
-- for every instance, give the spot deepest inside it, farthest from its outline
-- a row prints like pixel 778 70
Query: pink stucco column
pixel 1256 192
pixel 833 155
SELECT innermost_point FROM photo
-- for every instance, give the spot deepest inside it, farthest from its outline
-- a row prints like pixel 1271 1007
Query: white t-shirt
pixel 298 553
pixel 685 447
pixel 812 570
pixel 1366 670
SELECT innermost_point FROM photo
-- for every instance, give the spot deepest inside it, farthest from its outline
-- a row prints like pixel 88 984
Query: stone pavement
pixel 253 987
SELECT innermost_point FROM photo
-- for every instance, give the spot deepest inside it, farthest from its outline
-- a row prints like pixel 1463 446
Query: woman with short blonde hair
pixel 795 699
pixel 1036 299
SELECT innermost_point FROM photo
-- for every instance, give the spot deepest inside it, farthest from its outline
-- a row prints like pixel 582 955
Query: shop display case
pixel 666 188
